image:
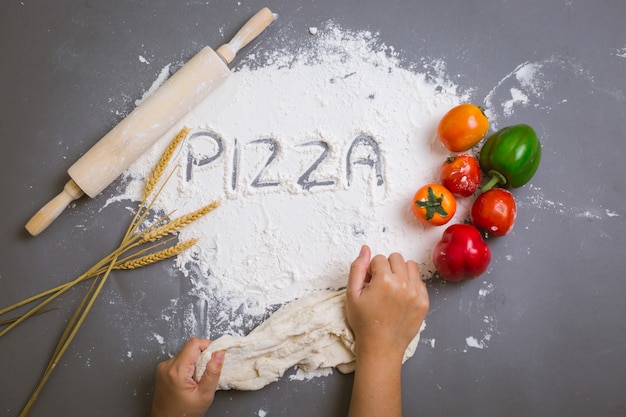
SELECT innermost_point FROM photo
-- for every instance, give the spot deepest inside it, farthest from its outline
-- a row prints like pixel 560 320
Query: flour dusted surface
pixel 312 155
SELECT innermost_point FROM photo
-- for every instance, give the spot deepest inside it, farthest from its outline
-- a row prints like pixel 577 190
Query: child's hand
pixel 386 304
pixel 177 393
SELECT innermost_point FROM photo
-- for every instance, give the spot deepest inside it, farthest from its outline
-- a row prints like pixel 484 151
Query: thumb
pixel 359 271
pixel 211 376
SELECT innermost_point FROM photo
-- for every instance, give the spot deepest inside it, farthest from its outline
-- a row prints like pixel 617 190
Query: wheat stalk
pixel 61 346
pixel 14 319
pixel 135 238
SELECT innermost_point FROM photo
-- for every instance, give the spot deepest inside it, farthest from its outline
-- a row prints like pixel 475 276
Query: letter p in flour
pixel 203 138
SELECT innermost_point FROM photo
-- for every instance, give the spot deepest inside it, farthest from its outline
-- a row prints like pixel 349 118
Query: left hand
pixel 177 393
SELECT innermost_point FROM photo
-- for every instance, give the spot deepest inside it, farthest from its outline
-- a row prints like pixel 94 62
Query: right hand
pixel 386 303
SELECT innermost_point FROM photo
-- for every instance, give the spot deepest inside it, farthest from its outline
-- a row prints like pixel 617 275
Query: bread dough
pixel 311 333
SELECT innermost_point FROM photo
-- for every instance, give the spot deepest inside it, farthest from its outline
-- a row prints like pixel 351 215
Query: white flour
pixel 350 134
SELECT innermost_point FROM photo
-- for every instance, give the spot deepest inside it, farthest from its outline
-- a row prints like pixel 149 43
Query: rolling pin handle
pixel 48 213
pixel 250 30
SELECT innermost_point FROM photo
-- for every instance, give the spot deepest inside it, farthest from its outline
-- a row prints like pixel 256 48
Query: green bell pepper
pixel 510 156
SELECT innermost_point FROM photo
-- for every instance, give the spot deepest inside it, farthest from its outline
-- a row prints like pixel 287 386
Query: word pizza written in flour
pixel 267 163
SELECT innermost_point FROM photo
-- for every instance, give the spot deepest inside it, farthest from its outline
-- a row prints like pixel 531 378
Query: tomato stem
pixel 496 178
pixel 433 205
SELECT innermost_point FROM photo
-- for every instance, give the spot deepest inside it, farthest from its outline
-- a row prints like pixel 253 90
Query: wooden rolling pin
pixel 138 131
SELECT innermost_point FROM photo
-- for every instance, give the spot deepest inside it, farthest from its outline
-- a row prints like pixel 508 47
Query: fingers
pixel 413 271
pixel 397 263
pixel 420 286
pixel 363 270
pixel 210 378
pixel 393 266
pixel 192 350
pixel 359 271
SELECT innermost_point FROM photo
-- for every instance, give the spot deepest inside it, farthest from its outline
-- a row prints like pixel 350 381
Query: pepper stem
pixel 496 178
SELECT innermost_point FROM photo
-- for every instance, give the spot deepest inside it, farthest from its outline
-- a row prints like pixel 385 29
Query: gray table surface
pixel 555 312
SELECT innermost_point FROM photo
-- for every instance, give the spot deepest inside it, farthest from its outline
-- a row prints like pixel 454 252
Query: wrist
pixel 377 388
pixel 157 410
pixel 382 363
pixel 378 354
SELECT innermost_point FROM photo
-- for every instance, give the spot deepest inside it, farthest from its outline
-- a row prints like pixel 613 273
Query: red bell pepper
pixel 461 253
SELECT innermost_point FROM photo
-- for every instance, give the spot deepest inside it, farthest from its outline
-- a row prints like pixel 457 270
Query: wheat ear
pixel 158 170
pixel 157 256
pixel 177 224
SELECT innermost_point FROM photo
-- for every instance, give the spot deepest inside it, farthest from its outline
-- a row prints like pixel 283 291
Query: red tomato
pixel 433 204
pixel 461 253
pixel 494 211
pixel 461 174
pixel 462 127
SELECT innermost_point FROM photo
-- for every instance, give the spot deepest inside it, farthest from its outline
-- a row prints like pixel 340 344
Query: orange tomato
pixel 433 204
pixel 463 127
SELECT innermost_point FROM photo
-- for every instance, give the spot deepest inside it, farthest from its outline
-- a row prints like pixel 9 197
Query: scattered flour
pixel 158 338
pixel 488 327
pixel 621 52
pixel 486 290
pixel 527 81
pixel 430 342
pixel 539 200
pixel 474 343
pixel 517 97
pixel 312 154
pixel 163 76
